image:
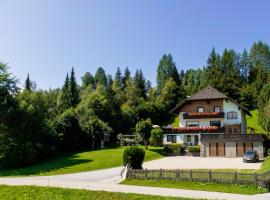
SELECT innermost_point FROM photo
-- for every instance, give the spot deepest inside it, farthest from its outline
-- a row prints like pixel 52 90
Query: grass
pixel 253 122
pixel 214 187
pixel 80 162
pixel 49 193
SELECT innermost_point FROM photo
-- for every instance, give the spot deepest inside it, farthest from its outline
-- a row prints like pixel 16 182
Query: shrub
pixel 174 149
pixel 136 155
pixel 268 152
pixel 194 149
pixel 156 136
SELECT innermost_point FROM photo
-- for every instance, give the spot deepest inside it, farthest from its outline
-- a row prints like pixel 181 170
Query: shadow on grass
pixel 160 151
pixel 45 166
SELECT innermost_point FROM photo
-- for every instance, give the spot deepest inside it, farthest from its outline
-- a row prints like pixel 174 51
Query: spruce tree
pixel 64 99
pixel 118 77
pixel 166 69
pixel 27 85
pixel 139 82
pixel 74 91
pixel 87 80
pixel 100 77
pixel 125 77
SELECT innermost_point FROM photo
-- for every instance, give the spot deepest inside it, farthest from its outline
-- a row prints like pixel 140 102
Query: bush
pixel 136 155
pixel 156 137
pixel 268 152
pixel 174 149
pixel 194 149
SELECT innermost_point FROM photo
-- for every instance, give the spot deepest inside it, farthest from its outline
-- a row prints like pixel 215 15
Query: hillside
pixel 253 122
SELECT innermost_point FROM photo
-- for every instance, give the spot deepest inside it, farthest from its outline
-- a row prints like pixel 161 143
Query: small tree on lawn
pixel 143 128
pixel 156 136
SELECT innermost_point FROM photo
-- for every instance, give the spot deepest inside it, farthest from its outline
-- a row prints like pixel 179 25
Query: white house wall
pixel 229 106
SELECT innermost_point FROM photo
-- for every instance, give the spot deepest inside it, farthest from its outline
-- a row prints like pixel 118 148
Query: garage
pixel 230 145
pixel 217 149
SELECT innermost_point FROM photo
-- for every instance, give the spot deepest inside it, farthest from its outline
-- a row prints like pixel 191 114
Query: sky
pixel 47 38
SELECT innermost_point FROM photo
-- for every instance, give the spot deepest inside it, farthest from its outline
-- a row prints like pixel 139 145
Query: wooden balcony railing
pixel 232 137
pixel 195 129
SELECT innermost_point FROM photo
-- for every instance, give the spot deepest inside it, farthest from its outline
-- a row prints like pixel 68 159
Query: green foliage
pixel 156 137
pixel 174 149
pixel 194 149
pixel 134 156
pixel 100 77
pixel 88 80
pixel 264 108
pixel 143 129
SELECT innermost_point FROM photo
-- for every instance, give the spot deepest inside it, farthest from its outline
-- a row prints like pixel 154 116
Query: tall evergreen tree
pixel 244 66
pixel 118 77
pixel 27 84
pixel 73 87
pixel 166 69
pixel 125 77
pixel 64 100
pixel 139 82
pixel 87 80
pixel 100 77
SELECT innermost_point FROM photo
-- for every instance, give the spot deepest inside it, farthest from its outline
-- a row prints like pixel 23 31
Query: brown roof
pixel 206 94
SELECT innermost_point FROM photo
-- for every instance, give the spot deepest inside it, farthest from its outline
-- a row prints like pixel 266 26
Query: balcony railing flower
pixel 193 129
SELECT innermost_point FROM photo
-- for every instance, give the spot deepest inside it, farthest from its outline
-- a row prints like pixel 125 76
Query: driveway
pixel 189 162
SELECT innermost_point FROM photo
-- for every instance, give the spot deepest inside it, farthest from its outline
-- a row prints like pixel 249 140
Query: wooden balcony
pixel 203 115
pixel 231 137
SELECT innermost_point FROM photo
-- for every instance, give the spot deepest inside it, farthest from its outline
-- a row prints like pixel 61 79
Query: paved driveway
pixel 189 162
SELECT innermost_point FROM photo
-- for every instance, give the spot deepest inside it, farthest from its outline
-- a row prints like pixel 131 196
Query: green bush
pixel 174 149
pixel 194 149
pixel 156 137
pixel 136 155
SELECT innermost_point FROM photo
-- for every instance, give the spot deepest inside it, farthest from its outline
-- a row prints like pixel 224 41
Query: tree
pixel 100 77
pixel 166 69
pixel 74 92
pixel 64 99
pixel 143 129
pixel 156 136
pixel 263 106
pixel 118 77
pixel 139 82
pixel 29 85
pixel 125 77
pixel 88 80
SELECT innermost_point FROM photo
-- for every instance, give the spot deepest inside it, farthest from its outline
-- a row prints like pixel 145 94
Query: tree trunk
pixel 93 143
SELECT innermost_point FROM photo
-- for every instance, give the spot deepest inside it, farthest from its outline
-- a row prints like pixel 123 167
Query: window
pixel 188 138
pixel 232 115
pixel 190 124
pixel 200 109
pixel 171 138
pixel 217 109
pixel 215 123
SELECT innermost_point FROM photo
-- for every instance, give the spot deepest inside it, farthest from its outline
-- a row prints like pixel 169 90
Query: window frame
pixel 215 121
pixel 198 108
pixel 234 115
pixel 173 138
pixel 198 123
pixel 217 107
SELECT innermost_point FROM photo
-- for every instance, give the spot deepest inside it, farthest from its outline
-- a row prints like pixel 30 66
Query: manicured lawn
pixel 215 187
pixel 79 162
pixel 253 122
pixel 265 166
pixel 48 193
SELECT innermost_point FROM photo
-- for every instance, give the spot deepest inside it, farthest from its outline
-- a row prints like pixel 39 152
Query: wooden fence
pixel 201 176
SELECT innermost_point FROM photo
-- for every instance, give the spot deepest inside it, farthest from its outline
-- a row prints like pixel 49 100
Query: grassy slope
pixel 217 187
pixel 79 162
pixel 253 122
pixel 42 193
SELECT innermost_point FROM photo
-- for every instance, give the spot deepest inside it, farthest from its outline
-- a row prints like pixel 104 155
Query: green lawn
pixel 214 187
pixel 253 122
pixel 79 162
pixel 49 193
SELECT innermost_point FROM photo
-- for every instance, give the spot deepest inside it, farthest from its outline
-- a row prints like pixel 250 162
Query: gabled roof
pixel 207 93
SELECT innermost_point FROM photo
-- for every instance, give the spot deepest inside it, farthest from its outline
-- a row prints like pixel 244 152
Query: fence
pixel 201 176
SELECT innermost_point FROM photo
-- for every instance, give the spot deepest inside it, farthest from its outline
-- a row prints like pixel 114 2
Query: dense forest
pixel 37 124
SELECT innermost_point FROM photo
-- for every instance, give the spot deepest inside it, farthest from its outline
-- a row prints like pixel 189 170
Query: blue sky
pixel 46 38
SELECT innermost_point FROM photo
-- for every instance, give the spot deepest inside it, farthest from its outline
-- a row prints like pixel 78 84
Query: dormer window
pixel 217 109
pixel 232 115
pixel 200 109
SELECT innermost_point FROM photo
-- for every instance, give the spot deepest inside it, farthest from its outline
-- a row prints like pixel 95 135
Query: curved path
pixel 107 180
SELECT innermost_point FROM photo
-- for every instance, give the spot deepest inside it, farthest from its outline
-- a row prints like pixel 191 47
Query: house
pixel 215 122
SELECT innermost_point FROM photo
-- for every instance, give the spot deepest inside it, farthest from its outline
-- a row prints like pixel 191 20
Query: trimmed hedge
pixel 194 149
pixel 174 149
pixel 136 155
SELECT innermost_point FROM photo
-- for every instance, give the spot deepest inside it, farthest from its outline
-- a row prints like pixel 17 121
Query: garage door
pixel 213 149
pixel 240 149
pixel 221 149
pixel 249 146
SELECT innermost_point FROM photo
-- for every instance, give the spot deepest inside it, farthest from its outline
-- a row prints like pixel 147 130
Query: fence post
pixel 210 176
pixel 255 178
pixel 160 174
pixel 178 175
pixel 190 174
pixel 145 173
pixel 235 176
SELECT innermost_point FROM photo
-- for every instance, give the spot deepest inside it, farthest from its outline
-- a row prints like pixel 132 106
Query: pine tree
pixel 64 99
pixel 118 77
pixel 166 70
pixel 139 82
pixel 100 77
pixel 73 87
pixel 125 77
pixel 87 80
pixel 27 84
